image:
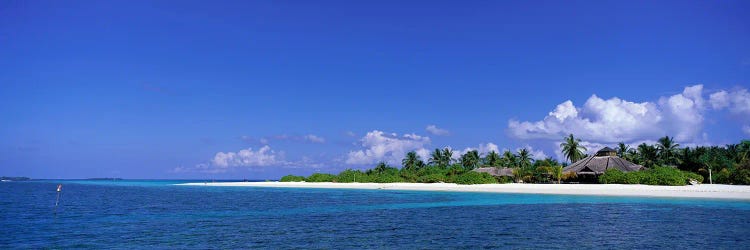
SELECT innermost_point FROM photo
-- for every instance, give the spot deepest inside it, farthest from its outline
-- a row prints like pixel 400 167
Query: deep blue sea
pixel 157 214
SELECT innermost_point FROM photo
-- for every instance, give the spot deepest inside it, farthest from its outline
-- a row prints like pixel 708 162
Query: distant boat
pixel 4 180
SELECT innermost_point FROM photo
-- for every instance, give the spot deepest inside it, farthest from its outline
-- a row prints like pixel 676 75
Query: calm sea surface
pixel 157 214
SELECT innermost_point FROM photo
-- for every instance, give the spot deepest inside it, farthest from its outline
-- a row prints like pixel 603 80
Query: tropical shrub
pixel 386 178
pixel 741 174
pixel 318 177
pixel 665 176
pixel 668 176
pixel 612 176
pixel 569 176
pixel 722 176
pixel 541 174
pixel 350 175
pixel 292 178
pixel 504 179
pixel 472 177
pixel 432 178
pixel 408 175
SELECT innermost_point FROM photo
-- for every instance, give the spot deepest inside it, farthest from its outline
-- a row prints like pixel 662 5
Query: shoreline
pixel 710 191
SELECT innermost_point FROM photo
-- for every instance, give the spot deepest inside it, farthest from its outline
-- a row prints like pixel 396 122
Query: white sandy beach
pixel 698 191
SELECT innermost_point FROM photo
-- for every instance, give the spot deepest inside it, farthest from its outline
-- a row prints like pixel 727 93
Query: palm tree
pixel 492 159
pixel 744 151
pixel 436 157
pixel 739 152
pixel 381 167
pixel 631 154
pixel 572 149
pixel 665 149
pixel 412 161
pixel 524 158
pixel 447 156
pixel 557 172
pixel 509 159
pixel 647 155
pixel 470 159
pixel 622 149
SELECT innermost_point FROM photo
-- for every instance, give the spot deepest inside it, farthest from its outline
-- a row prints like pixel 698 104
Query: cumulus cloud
pixel 613 120
pixel 604 122
pixel 684 113
pixel 719 100
pixel 248 158
pixel 389 147
pixel 737 102
pixel 262 157
pixel 488 147
pixel 432 129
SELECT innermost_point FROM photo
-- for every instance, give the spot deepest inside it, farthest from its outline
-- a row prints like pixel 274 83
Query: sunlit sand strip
pixel 696 191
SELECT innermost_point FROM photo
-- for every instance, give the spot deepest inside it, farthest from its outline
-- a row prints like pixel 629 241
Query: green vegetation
pixel 318 177
pixel 292 178
pixel 657 176
pixel 667 164
pixel 472 177
pixel 729 164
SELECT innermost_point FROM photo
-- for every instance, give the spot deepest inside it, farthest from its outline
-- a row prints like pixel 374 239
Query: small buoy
pixel 57 200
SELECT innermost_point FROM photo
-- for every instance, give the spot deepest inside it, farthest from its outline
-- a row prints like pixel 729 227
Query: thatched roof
pixel 600 162
pixel 495 171
pixel 606 150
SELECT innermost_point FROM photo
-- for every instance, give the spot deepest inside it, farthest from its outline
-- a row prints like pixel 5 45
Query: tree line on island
pixel 667 164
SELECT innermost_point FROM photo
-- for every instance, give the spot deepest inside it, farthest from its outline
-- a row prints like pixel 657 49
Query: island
pixel 661 170
pixel 14 178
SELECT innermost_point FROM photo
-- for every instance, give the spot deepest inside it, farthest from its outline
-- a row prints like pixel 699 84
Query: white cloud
pixel 391 148
pixel 437 131
pixel 614 120
pixel 719 100
pixel 488 147
pixel 314 138
pixel 738 101
pixel 684 114
pixel 262 157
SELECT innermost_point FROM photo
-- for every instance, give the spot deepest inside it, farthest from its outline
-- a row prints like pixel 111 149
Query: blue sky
pixel 259 89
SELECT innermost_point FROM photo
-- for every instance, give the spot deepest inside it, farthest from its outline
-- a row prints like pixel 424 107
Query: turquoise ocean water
pixel 158 214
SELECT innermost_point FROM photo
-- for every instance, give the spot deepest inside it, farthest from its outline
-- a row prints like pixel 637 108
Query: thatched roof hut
pixel 495 171
pixel 603 160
